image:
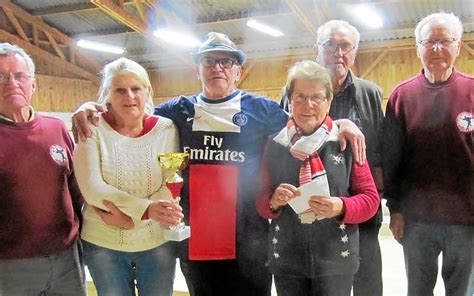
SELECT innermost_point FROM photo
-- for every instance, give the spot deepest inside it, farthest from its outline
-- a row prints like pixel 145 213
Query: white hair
pixel 311 70
pixel 11 50
pixel 440 16
pixel 121 66
pixel 325 30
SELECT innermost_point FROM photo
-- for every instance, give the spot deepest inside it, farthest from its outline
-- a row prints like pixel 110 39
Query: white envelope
pixel 317 186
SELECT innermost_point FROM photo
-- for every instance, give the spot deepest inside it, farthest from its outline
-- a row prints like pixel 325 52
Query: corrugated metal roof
pixel 42 4
pixel 84 22
pixel 230 16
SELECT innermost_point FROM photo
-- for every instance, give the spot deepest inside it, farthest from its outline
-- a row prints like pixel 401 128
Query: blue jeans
pixel 54 275
pixel 115 272
pixel 422 245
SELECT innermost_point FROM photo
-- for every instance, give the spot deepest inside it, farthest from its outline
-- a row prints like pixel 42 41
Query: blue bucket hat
pixel 219 42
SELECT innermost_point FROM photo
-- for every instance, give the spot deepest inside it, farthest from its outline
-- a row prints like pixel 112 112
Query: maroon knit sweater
pixel 39 198
pixel 428 153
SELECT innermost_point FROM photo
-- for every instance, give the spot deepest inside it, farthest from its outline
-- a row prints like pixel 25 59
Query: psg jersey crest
pixel 240 119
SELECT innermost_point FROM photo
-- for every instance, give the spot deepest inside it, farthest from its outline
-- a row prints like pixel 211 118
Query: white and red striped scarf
pixel 305 148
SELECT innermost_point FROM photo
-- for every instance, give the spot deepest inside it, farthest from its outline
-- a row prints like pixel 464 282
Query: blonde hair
pixel 311 70
pixel 121 66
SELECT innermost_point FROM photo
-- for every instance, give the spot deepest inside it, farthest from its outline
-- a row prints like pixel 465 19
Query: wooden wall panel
pixel 400 65
pixel 58 94
pixel 172 83
pixel 268 77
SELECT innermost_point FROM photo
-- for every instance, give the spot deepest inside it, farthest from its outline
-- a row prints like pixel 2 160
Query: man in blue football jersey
pixel 224 130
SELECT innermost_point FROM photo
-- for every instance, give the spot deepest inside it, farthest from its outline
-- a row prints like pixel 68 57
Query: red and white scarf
pixel 305 148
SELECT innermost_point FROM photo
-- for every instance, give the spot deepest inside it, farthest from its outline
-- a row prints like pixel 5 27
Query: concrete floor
pixel 394 279
pixel 393 269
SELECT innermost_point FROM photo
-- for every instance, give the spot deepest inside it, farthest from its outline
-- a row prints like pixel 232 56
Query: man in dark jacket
pixel 360 101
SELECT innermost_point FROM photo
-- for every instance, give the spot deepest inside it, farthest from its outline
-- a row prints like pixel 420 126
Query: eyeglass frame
pixel 316 100
pixel 19 77
pixel 430 43
pixel 333 48
pixel 219 62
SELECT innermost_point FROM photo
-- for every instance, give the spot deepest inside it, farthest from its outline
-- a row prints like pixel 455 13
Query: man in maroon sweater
pixel 428 162
pixel 40 202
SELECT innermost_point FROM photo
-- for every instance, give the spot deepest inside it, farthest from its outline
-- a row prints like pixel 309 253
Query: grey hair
pixel 121 66
pixel 9 50
pixel 311 70
pixel 325 29
pixel 440 16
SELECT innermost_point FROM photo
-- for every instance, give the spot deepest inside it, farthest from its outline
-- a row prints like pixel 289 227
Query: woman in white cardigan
pixel 127 202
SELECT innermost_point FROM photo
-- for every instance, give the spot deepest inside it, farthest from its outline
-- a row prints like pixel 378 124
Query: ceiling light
pixel 369 16
pixel 177 38
pixel 97 46
pixel 264 28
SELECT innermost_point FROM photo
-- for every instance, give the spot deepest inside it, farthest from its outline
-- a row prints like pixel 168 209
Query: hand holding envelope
pixel 315 202
pixel 311 201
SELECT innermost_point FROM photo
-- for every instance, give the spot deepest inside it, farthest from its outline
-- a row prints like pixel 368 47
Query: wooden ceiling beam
pixel 106 32
pixel 36 40
pixel 55 45
pixel 141 10
pixel 301 16
pixel 130 20
pixel 11 17
pixel 80 7
pixel 241 15
pixel 26 17
pixel 56 39
pixel 47 56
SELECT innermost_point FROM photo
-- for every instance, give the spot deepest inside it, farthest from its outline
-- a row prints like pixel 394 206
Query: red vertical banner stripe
pixel 213 211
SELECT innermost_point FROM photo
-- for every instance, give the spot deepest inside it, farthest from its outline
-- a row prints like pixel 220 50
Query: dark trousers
pixel 227 277
pixel 336 285
pixel 422 245
pixel 368 279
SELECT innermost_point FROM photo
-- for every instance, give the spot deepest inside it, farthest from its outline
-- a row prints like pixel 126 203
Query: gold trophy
pixel 172 163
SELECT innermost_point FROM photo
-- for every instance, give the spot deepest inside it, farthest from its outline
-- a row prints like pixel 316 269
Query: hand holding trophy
pixel 172 163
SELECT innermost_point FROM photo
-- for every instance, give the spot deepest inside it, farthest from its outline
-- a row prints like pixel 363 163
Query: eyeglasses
pixel 344 47
pixel 225 63
pixel 444 42
pixel 19 77
pixel 300 98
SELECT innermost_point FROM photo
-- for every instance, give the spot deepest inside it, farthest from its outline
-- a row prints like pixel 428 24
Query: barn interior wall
pixel 266 77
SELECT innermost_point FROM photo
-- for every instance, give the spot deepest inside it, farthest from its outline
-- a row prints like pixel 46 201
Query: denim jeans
pixel 422 245
pixel 115 272
pixel 54 275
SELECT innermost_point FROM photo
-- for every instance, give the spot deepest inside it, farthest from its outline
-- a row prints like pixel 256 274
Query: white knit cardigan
pixel 124 170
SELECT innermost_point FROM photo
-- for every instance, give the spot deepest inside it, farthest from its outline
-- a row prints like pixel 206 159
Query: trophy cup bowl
pixel 172 163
